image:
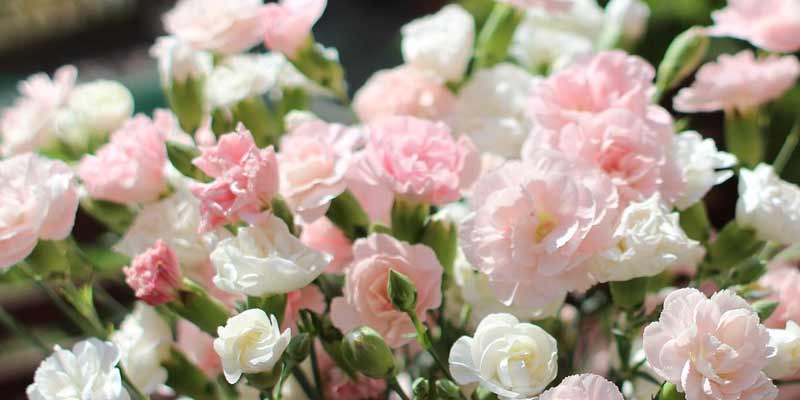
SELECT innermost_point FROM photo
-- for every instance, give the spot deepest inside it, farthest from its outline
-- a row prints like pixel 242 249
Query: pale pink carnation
pixel 130 168
pixel 288 24
pixel 38 200
pixel 155 275
pixel 583 387
pixel 710 348
pixel 246 180
pixel 339 386
pixel 773 25
pixel 534 225
pixel 547 5
pixel 635 156
pixel 324 236
pixel 198 347
pixel 419 160
pixel 28 124
pixel 306 298
pixel 225 27
pixel 783 282
pixel 403 90
pixel 167 123
pixel 739 82
pixel 366 301
pixel 314 160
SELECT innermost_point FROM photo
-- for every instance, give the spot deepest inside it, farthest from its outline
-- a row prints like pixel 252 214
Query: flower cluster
pixel 514 212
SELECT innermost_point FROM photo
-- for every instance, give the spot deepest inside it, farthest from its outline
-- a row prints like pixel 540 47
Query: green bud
pixel 346 213
pixel 629 294
pixel 322 66
pixel 299 348
pixel 764 308
pixel 442 236
pixel 265 380
pixel 402 292
pixel 259 120
pixel 683 55
pixel 421 389
pixel 495 37
pixel 186 99
pixel 670 392
pixel 365 351
pixel 744 137
pixel 408 220
pixel 181 156
pixel 447 390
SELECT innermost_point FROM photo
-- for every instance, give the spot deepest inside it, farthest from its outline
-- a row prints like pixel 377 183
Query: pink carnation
pixel 288 24
pixel 198 347
pixel 419 160
pixel 739 82
pixel 583 387
pixel 610 79
pixel 324 236
pixel 710 348
pixel 38 200
pixel 622 145
pixel 314 160
pixel 547 5
pixel 366 301
pixel 339 386
pixel 28 124
pixel 225 27
pixel 306 298
pixel 155 275
pixel 246 180
pixel 167 123
pixel 783 281
pixel 403 90
pixel 130 168
pixel 773 25
pixel 535 223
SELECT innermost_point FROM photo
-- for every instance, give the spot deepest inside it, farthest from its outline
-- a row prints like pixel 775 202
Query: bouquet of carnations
pixel 510 214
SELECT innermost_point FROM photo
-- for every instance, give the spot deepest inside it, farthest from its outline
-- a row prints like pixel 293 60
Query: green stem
pixel 22 331
pixel 743 137
pixel 107 299
pixel 495 36
pixel 315 371
pixel 304 384
pixel 787 150
pixel 85 325
pixel 395 386
pixel 426 341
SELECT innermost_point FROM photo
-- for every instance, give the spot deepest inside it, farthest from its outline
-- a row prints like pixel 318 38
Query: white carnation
pixel 511 359
pixel 786 360
pixel 99 107
pixel 89 371
pixel 441 42
pixel 648 240
pixel 250 342
pixel 490 109
pixel 178 61
pixel 628 17
pixel 703 166
pixel 241 77
pixel 769 205
pixel 144 340
pixel 265 259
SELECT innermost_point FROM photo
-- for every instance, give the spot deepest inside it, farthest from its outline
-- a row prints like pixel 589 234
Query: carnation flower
pixel 324 236
pixel 739 82
pixel 89 370
pixel 403 90
pixel 130 168
pixel 198 347
pixel 28 124
pixel 224 27
pixel 38 200
pixel 265 259
pixel 288 24
pixel 773 25
pixel 93 111
pixel 418 160
pixel 628 17
pixel 440 42
pixel 338 385
pixel 786 360
pixel 710 348
pixel 177 61
pixel 250 342
pixel 511 359
pixel 648 240
pixel 240 77
pixel 768 204
pixel 534 225
pixel 366 301
pixel 155 275
pixel 782 280
pixel 702 166
pixel 246 179
pixel 314 159
pixel 583 387
pixel 491 109
pixel 144 340
pixel 548 5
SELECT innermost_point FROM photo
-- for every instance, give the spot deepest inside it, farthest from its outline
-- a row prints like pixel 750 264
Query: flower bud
pixel 421 389
pixel 408 220
pixel 365 351
pixel 442 236
pixel 98 108
pixel 786 360
pixel 447 390
pixel 155 275
pixel 670 392
pixel 299 348
pixel 402 292
pixel 683 55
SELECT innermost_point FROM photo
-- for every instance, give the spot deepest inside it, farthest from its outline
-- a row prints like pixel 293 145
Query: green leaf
pixel 181 156
pixel 187 379
pixel 765 308
pixel 733 245
pixel 104 258
pixel 694 221
pixel 495 36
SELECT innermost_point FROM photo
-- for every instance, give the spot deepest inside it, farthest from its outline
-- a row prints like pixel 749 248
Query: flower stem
pixel 315 371
pixel 426 341
pixel 304 384
pixel 23 332
pixel 787 150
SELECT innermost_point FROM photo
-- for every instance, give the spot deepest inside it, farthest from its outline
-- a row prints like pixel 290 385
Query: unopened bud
pixel 402 292
pixel 299 348
pixel 421 389
pixel 683 55
pixel 365 351
pixel 447 390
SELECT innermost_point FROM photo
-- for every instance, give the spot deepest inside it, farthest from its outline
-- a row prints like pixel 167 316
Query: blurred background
pixel 110 39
